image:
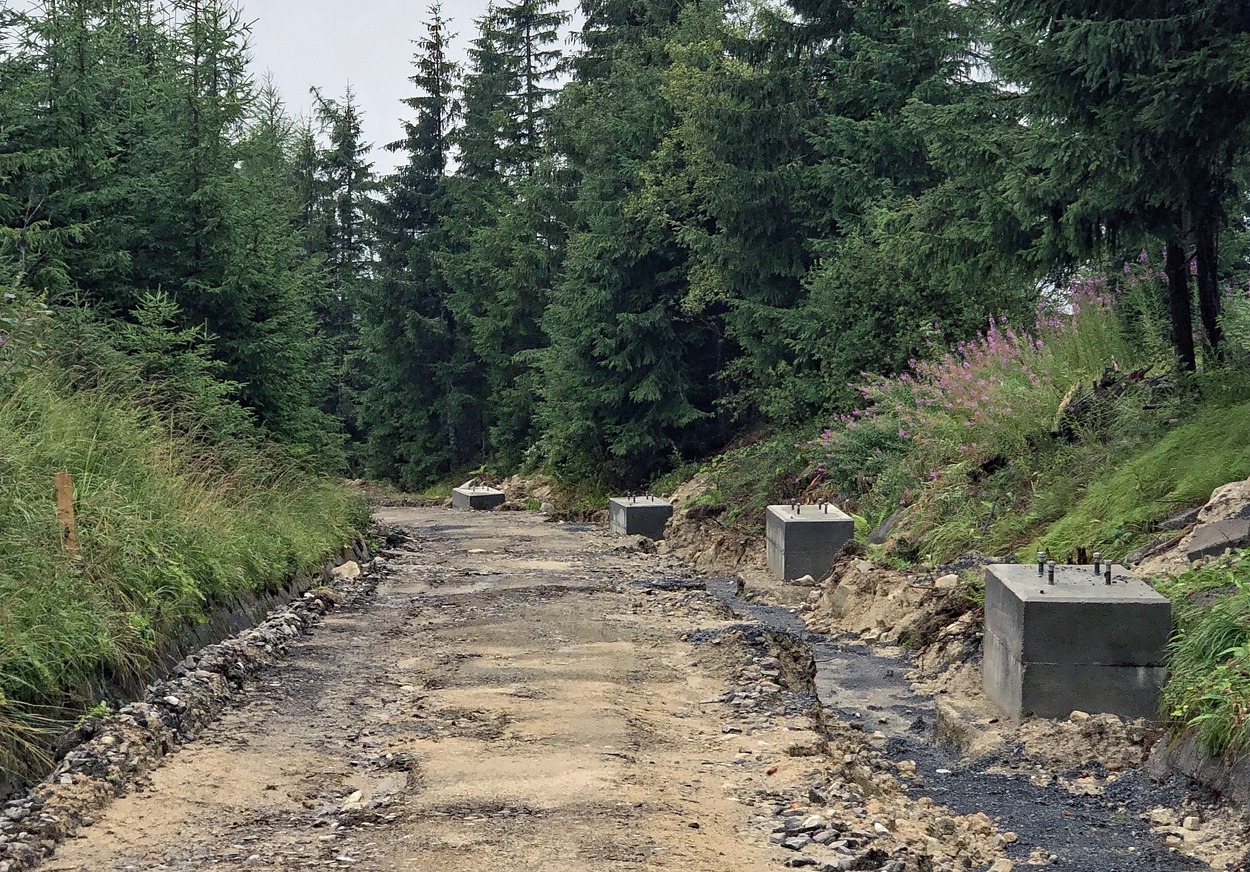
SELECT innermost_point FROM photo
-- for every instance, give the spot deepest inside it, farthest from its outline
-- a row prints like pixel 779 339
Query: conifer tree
pixel 628 378
pixel 880 187
pixel 1146 106
pixel 339 233
pixel 423 401
pixel 506 233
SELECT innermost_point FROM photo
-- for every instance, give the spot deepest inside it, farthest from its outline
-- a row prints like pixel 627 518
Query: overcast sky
pixel 368 43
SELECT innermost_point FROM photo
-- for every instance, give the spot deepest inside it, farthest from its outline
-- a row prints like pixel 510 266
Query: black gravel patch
pixel 1085 833
pixel 670 585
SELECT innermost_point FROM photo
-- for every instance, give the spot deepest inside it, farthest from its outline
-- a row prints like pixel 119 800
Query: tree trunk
pixel 1180 303
pixel 1209 286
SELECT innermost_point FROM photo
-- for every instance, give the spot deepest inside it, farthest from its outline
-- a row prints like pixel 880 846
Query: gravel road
pixel 521 695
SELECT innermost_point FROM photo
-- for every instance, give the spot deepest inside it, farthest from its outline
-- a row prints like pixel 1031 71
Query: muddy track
pixel 522 695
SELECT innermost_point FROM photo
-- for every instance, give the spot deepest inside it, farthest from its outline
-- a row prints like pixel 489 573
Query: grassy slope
pixel 1178 471
pixel 163 537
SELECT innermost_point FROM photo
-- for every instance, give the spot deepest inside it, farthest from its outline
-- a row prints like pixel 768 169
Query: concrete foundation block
pixel 476 498
pixel 639 516
pixel 805 540
pixel 1076 644
pixel 1055 690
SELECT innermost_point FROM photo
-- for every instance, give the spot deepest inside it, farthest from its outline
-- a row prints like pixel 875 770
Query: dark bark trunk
pixel 1209 286
pixel 1180 303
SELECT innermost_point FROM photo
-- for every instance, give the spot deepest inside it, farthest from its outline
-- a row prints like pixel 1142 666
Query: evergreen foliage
pixel 702 221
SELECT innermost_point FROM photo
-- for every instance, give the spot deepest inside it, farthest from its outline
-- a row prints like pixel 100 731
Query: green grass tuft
pixel 1209 687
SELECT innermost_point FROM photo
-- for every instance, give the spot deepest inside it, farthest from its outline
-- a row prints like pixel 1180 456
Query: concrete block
pixel 639 516
pixel 1055 690
pixel 805 540
pixel 1076 644
pixel 476 498
pixel 1212 540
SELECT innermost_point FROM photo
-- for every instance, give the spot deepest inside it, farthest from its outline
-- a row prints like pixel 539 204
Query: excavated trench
pixel 1082 833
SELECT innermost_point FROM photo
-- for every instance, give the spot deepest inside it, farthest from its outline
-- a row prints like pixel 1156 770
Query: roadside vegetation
pixel 1209 688
pixel 1073 435
pixel 181 504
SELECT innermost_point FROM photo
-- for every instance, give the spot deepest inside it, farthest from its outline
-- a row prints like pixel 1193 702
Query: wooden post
pixel 65 510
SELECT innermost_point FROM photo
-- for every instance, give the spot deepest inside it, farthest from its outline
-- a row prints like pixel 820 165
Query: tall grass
pixel 962 440
pixel 1209 688
pixel 1117 508
pixel 165 532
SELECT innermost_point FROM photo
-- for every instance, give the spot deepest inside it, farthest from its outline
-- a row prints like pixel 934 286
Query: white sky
pixel 367 43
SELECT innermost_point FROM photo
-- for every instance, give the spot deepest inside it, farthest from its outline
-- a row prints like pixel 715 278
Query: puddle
pixel 1085 833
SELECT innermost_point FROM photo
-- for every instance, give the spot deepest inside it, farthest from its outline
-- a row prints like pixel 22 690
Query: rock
pixel 1192 823
pixel 947 582
pixel 1162 817
pixel 1078 716
pixel 1180 521
pixel 880 829
pixel 886 528
pixel 1229 503
pixel 349 570
pixel 1002 864
pixel 355 802
pixel 1213 539
pixel 795 843
pixel 547 508
pixel 805 580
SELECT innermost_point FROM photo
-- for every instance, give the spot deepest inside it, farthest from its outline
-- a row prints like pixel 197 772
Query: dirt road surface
pixel 510 700
pixel 523 695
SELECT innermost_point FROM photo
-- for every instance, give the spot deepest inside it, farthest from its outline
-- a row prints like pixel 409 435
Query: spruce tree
pixel 505 230
pixel 422 402
pixel 910 252
pixel 339 234
pixel 1147 109
pixel 628 377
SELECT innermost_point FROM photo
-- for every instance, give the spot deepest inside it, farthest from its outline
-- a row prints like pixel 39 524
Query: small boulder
pixel 1213 539
pixel 947 582
pixel 349 571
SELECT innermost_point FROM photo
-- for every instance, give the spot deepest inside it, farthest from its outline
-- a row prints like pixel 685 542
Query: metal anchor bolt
pixel 1108 575
pixel 1097 563
pixel 1041 563
pixel 1050 568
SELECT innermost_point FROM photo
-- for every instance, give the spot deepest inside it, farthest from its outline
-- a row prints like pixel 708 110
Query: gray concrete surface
pixel 805 540
pixel 1077 644
pixel 639 516
pixel 476 498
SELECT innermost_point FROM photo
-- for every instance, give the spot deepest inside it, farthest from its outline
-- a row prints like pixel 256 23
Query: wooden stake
pixel 65 510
